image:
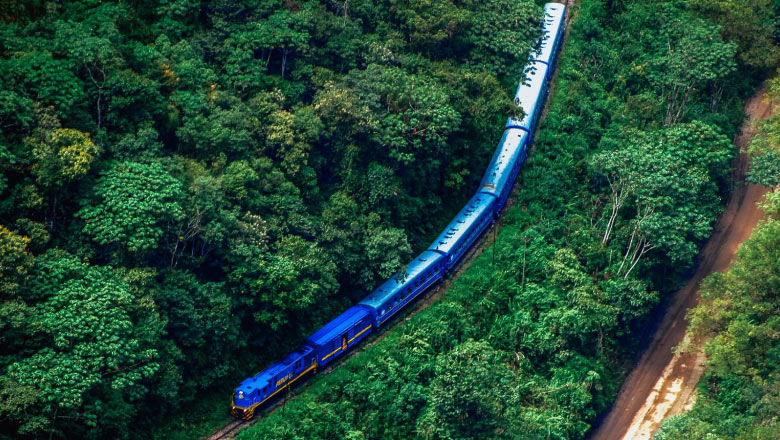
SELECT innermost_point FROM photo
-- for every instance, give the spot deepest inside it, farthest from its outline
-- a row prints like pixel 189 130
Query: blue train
pixel 371 314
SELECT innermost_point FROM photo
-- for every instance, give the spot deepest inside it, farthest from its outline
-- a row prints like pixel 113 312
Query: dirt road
pixel 663 383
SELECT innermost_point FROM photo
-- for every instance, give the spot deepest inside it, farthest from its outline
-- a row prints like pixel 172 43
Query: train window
pixel 298 364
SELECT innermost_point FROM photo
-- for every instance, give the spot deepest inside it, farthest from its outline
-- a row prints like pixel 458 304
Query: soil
pixel 663 382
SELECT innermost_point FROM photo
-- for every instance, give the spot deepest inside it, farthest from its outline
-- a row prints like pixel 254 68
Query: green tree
pixel 430 25
pixel 200 321
pixel 63 155
pixel 659 173
pixel 134 205
pixel 471 393
pixel 765 170
pixel 15 261
pixel 765 146
pixel 216 125
pixel 283 33
pixel 696 57
pixel 99 337
pixel 92 44
pixel 587 315
pixel 501 33
pixel 278 285
pixel 748 23
pixel 34 75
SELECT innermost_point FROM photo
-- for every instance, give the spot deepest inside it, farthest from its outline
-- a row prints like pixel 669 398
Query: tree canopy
pixel 189 188
pixel 623 185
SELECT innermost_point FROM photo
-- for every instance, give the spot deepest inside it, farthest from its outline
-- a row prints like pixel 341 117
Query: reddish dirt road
pixel 663 383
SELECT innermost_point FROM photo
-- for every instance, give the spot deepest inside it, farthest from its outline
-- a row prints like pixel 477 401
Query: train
pixel 372 313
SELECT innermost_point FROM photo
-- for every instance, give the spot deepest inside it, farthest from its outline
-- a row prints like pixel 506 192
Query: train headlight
pixel 241 395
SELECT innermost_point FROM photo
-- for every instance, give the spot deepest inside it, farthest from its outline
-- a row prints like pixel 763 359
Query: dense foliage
pixel 739 317
pixel 189 187
pixel 630 166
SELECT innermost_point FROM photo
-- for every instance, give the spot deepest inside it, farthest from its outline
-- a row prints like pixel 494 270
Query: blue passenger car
pixel 256 390
pixel 506 163
pixel 398 291
pixel 530 96
pixel 341 334
pixel 552 35
pixel 465 228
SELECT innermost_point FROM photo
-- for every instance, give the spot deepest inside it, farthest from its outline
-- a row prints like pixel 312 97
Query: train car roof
pixel 297 354
pixel 459 225
pixel 553 20
pixel 530 91
pixel 264 378
pixel 338 326
pixel 510 146
pixel 554 8
pixel 389 288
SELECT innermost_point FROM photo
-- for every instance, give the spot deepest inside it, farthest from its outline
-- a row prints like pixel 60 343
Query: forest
pixel 740 321
pixel 189 188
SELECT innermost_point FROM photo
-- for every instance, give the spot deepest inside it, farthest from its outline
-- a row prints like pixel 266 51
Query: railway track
pixel 230 430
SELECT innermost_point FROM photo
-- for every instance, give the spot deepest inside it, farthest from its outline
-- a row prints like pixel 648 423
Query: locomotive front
pixel 244 403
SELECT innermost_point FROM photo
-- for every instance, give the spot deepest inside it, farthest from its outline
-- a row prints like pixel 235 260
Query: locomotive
pixel 374 311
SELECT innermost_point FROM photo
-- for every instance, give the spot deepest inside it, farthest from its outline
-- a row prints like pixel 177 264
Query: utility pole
pixel 495 232
pixel 286 398
pixel 525 247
